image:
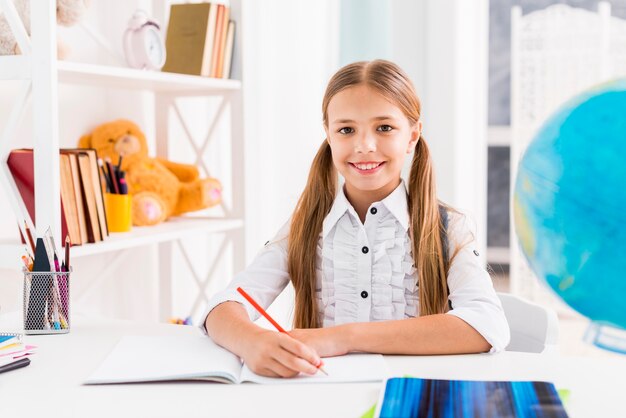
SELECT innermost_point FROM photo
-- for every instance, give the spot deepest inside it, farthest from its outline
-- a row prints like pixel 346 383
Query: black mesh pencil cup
pixel 46 302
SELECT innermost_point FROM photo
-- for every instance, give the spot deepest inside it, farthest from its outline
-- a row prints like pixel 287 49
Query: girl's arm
pixel 433 334
pixel 265 352
pixel 229 319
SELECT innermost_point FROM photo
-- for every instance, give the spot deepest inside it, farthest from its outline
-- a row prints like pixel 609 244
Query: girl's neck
pixel 361 200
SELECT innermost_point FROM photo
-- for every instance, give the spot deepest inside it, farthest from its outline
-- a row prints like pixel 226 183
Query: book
pixel 69 198
pixel 78 195
pixel 9 339
pixel 89 197
pixel 217 44
pixel 415 397
pixel 228 51
pixel 22 168
pixel 187 33
pixel 196 357
pixel 97 187
pixel 209 41
pixel 223 39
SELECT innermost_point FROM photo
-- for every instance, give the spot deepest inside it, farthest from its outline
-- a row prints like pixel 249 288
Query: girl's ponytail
pixel 426 229
pixel 306 226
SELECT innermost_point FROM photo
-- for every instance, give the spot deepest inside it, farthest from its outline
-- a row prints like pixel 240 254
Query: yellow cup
pixel 118 211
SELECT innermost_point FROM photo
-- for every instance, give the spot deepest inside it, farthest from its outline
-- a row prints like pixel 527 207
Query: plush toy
pixel 160 188
pixel 68 13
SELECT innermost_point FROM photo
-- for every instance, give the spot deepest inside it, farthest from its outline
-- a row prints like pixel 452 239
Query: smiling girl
pixel 378 265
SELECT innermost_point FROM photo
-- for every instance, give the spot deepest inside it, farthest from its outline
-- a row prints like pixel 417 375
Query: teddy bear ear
pixel 85 141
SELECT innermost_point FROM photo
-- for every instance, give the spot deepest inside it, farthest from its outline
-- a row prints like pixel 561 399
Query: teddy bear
pixel 68 12
pixel 159 188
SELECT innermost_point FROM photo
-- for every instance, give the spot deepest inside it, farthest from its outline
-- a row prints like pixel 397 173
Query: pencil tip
pixel 321 369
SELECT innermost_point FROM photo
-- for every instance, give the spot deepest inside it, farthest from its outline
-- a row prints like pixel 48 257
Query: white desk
pixel 51 385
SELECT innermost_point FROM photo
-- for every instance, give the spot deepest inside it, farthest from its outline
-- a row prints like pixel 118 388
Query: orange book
pixel 218 39
pixel 220 54
pixel 78 194
pixel 68 198
pixel 209 41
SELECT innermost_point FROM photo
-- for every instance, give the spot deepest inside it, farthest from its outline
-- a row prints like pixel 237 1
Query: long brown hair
pixel 426 224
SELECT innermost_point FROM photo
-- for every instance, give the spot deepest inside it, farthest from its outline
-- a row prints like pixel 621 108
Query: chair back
pixel 534 328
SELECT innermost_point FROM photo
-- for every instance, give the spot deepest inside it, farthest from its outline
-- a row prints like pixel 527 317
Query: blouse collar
pixel 395 202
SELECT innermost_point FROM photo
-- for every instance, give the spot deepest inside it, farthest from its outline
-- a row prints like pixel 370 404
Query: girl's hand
pixel 327 342
pixel 276 354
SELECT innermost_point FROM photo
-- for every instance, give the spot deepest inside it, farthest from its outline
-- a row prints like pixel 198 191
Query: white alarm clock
pixel 144 47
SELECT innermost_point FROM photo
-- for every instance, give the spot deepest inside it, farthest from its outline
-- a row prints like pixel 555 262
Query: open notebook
pixel 151 359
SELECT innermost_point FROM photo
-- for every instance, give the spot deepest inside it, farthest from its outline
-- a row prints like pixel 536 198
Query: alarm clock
pixel 144 47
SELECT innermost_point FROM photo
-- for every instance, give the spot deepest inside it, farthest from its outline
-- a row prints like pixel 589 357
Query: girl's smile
pixel 368 168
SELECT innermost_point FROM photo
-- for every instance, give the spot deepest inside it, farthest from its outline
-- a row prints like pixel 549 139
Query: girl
pixel 376 267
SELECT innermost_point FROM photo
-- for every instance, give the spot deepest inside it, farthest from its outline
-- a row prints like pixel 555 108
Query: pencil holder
pixel 46 302
pixel 118 211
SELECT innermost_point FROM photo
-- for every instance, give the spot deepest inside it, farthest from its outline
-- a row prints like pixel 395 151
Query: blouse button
pixel 364 294
pixel 373 211
pixel 365 250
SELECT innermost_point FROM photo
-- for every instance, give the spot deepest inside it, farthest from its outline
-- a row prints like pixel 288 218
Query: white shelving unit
pixel 40 73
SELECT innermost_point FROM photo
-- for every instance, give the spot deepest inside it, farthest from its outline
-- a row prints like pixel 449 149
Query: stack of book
pixel 82 205
pixel 200 39
pixel 13 352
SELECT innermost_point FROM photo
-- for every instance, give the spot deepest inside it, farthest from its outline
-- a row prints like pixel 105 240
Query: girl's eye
pixel 385 128
pixel 345 131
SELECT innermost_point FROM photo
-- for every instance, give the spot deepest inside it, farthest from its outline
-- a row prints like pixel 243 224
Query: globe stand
pixel 606 337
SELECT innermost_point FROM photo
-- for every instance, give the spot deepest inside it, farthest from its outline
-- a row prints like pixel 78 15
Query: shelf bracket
pixel 199 151
pixel 202 284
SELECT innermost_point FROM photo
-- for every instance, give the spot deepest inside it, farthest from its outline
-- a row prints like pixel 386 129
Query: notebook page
pixel 150 359
pixel 341 369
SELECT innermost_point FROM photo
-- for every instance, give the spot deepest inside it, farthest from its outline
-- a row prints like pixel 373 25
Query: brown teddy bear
pixel 160 188
pixel 68 13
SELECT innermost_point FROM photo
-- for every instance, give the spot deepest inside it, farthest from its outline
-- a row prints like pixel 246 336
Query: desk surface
pixel 52 385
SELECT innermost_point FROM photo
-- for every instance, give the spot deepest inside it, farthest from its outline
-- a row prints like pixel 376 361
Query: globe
pixel 569 207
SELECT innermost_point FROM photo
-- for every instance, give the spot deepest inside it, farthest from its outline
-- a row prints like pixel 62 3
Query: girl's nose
pixel 365 143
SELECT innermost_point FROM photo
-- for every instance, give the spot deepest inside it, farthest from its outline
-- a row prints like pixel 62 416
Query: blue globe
pixel 569 207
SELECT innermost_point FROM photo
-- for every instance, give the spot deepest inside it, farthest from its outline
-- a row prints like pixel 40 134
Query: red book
pixel 22 168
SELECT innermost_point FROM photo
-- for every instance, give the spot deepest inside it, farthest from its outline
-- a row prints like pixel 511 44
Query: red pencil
pixel 269 318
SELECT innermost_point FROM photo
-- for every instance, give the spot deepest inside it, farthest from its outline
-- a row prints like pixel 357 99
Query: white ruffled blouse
pixel 365 271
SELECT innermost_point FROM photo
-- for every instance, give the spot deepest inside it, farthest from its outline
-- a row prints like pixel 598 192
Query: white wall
pixel 289 55
pixel 443 46
pixel 291 50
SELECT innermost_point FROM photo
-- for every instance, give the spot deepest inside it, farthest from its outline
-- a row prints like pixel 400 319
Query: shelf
pixel 18 67
pixel 175 228
pixel 128 78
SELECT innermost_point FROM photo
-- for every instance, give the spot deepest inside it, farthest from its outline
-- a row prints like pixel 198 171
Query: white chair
pixel 534 328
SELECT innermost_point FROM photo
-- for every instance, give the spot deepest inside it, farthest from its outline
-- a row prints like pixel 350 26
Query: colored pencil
pixel 30 238
pixel 269 318
pixel 67 252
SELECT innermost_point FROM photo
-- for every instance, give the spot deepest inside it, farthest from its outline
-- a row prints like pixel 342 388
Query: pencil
pixel 30 238
pixel 107 181
pixel 67 252
pixel 269 318
pixel 115 190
